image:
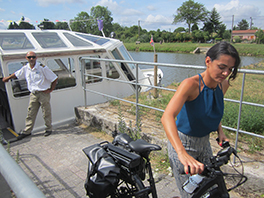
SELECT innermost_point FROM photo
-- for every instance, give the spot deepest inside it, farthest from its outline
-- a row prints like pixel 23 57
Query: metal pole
pixel 137 93
pixel 138 29
pixel 231 39
pixel 239 113
pixel 84 82
pixel 155 75
pixel 16 178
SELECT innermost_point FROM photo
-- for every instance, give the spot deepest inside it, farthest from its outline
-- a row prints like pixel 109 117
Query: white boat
pixel 65 52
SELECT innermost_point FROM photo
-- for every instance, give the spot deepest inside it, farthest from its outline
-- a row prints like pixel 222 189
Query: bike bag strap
pixel 123 157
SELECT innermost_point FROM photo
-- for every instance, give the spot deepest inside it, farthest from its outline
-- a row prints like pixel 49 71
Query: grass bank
pixel 242 48
pixel 251 119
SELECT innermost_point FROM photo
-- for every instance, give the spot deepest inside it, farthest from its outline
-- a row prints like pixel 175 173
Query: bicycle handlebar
pixel 212 171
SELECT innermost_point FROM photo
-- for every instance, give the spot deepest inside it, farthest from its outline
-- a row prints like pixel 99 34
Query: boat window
pixel 76 41
pixel 92 67
pixel 63 68
pixel 124 66
pixel 95 39
pixel 111 71
pixel 126 56
pixel 14 41
pixel 19 87
pixel 48 39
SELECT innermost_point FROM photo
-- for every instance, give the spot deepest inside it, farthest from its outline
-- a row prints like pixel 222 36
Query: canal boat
pixel 67 53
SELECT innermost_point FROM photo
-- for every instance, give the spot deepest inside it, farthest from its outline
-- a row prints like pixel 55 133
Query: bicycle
pixel 211 183
pixel 122 174
pixel 128 161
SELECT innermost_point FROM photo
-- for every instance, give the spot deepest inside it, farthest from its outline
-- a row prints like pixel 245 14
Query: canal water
pixel 171 75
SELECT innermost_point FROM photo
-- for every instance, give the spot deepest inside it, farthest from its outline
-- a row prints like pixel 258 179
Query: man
pixel 41 81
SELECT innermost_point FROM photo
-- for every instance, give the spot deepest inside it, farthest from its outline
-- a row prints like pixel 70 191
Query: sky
pixel 150 14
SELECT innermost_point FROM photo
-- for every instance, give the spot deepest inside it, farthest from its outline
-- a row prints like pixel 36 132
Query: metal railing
pixel 18 181
pixel 137 104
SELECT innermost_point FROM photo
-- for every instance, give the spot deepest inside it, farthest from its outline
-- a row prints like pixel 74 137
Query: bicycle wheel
pixel 141 190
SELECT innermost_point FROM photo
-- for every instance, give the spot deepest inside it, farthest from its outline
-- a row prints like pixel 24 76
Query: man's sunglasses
pixel 29 57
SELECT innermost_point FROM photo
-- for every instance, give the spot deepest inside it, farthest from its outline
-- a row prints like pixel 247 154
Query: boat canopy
pixel 49 40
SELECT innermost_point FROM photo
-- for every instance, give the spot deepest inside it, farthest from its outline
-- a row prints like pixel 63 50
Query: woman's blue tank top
pixel 202 115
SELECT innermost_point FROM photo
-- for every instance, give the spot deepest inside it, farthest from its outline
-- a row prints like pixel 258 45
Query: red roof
pixel 244 31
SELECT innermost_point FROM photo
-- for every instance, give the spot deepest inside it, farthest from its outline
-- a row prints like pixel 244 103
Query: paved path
pixel 57 165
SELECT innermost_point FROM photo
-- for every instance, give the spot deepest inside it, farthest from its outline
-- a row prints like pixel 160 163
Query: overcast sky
pixel 152 14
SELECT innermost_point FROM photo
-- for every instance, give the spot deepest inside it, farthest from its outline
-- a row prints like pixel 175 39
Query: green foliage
pixel 244 49
pixel 243 25
pixel 46 24
pixel 133 132
pixel 260 36
pixel 227 35
pixel 81 23
pixel 62 26
pixel 237 39
pixel 191 13
pixel 212 23
pixel 122 127
pixel 22 25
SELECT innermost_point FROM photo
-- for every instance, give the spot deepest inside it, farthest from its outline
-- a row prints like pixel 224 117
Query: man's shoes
pixel 47 133
pixel 22 135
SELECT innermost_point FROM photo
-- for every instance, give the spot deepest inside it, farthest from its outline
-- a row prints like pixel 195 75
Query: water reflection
pixel 177 75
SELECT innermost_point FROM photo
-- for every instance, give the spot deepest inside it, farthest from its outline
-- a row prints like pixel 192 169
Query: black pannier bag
pixel 103 173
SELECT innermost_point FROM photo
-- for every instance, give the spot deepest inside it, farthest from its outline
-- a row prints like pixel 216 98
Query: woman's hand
pixel 221 135
pixel 222 138
pixel 191 165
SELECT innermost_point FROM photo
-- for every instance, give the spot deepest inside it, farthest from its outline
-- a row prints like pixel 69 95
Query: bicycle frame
pixel 219 191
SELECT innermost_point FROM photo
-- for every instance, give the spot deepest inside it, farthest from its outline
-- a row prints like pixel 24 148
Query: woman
pixel 198 105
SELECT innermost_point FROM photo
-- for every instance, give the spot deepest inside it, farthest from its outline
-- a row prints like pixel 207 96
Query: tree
pixel 195 27
pixel 197 36
pixel 46 24
pixel 259 36
pixel 102 13
pixel 13 25
pixel 212 23
pixel 81 23
pixel 179 29
pixel 22 25
pixel 191 13
pixel 62 26
pixel 243 25
pixel 221 30
pixel 88 23
pixel 227 35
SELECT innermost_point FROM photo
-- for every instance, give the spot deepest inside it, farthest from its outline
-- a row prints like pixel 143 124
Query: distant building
pixel 244 34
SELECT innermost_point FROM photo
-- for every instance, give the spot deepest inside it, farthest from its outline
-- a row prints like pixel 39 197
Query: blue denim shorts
pixel 197 147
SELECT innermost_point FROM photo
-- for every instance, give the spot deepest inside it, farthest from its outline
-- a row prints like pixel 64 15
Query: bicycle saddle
pixel 122 138
pixel 141 146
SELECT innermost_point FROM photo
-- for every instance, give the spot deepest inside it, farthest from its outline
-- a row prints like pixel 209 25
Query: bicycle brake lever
pixel 224 143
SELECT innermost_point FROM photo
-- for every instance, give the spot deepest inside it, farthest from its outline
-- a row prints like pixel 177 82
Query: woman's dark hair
pixel 225 48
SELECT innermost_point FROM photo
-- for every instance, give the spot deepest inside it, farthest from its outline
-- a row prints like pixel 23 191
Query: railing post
pixel 16 178
pixel 84 83
pixel 155 75
pixel 137 93
pixel 239 113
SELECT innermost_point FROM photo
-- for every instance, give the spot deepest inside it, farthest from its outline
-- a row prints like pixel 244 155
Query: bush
pixel 237 39
pixel 251 117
